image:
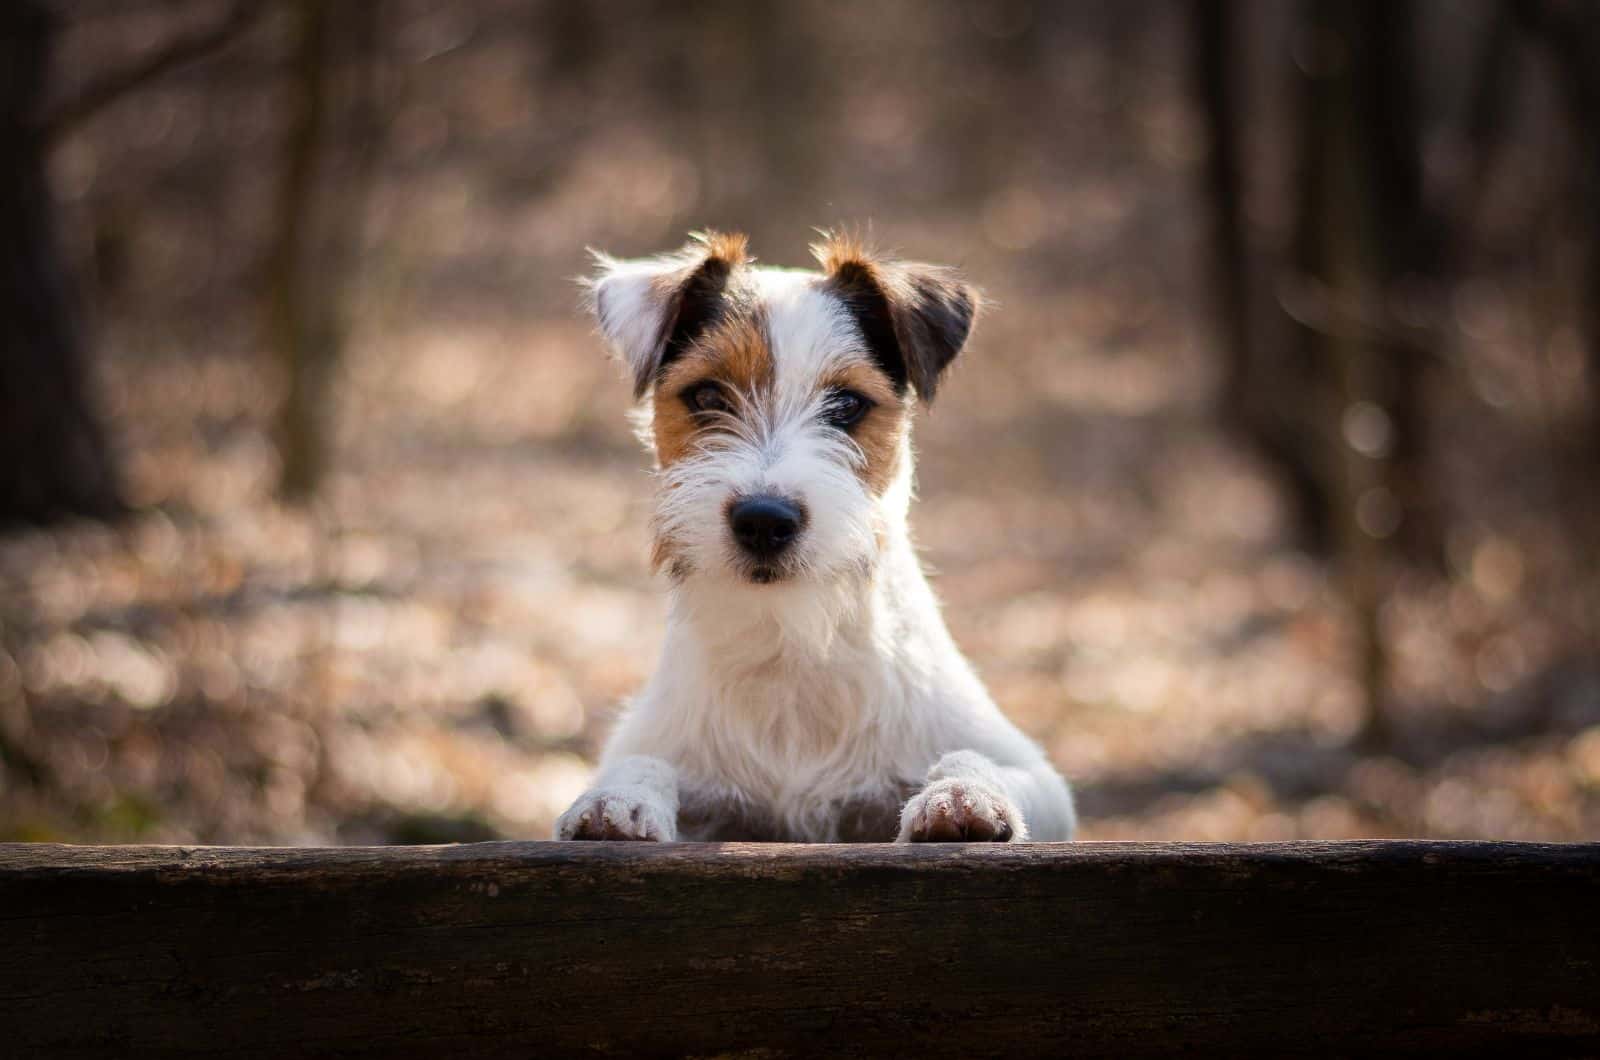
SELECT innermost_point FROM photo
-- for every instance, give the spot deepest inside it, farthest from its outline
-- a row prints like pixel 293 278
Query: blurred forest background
pixel 1265 498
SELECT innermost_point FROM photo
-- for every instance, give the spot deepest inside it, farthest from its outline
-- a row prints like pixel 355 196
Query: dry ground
pixel 434 649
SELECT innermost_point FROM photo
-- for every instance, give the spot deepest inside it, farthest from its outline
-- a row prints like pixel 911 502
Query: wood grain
pixel 541 949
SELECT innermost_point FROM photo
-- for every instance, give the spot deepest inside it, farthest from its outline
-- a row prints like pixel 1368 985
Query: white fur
pixel 630 313
pixel 838 686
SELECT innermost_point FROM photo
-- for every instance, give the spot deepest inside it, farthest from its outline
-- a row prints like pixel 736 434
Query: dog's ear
pixel 915 317
pixel 652 309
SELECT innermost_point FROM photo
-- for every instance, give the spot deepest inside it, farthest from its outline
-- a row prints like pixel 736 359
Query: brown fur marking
pixel 840 249
pixel 882 429
pixel 732 247
pixel 736 354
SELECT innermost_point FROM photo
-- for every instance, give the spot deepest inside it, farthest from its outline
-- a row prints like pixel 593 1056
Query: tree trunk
pixel 1343 258
pixel 327 166
pixel 56 461
pixel 1407 247
pixel 1571 35
pixel 1255 402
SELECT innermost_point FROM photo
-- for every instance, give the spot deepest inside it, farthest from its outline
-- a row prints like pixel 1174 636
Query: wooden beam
pixel 543 949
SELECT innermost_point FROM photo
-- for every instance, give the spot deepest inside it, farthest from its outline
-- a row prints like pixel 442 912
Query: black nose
pixel 765 526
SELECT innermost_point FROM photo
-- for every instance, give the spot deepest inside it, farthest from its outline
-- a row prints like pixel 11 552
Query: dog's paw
pixel 619 815
pixel 960 810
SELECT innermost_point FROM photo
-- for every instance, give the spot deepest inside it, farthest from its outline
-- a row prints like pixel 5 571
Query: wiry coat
pixel 816 696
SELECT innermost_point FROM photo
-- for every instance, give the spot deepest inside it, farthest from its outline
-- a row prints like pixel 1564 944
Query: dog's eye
pixel 706 397
pixel 845 409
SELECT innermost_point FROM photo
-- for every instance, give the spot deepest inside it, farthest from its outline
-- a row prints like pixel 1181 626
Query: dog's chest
pixel 806 769
pixel 793 750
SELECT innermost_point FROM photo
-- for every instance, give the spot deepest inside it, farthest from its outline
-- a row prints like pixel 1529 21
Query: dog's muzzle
pixel 765 528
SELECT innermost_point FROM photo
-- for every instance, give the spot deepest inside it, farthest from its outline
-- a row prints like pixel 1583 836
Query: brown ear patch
pixel 915 317
pixel 731 247
pixel 838 250
pixel 696 297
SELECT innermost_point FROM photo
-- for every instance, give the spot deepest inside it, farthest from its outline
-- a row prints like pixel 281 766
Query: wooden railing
pixel 543 949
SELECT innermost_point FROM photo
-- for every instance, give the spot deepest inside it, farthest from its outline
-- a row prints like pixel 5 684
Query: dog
pixel 808 690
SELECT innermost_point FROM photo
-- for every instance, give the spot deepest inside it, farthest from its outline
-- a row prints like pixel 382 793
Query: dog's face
pixel 779 400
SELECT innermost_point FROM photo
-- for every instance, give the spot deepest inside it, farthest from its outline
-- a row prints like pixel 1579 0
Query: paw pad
pixel 958 812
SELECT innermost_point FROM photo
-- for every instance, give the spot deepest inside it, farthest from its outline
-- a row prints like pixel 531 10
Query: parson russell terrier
pixel 808 690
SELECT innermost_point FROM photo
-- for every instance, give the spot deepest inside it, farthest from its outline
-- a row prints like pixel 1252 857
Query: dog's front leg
pixel 633 798
pixel 968 798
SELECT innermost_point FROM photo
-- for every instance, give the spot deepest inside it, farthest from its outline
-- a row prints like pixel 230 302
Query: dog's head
pixel 778 402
